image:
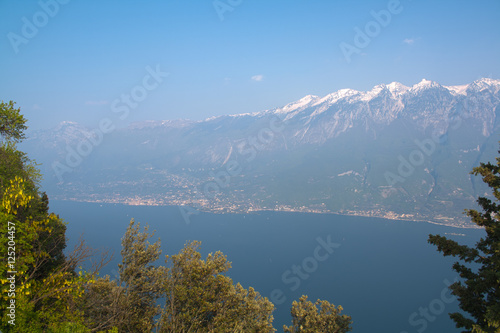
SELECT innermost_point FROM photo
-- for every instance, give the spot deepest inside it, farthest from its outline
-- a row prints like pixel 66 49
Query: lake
pixel 383 272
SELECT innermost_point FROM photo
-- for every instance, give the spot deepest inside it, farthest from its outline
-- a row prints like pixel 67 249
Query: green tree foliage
pixel 141 279
pixel 129 304
pixel 198 296
pixel 12 122
pixel 201 298
pixel 46 286
pixel 308 318
pixel 14 162
pixel 479 292
pixel 104 305
pixel 47 289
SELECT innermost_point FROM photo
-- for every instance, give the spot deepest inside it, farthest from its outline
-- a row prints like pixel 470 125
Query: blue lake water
pixel 383 272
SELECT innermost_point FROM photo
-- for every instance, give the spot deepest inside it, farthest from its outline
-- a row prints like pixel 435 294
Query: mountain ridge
pixel 296 157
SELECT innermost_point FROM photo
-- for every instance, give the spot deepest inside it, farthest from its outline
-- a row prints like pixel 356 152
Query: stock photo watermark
pixel 420 319
pixel 121 106
pixel 293 277
pixel 31 26
pixel 223 6
pixel 11 272
pixel 248 148
pixel 372 29
pixel 426 147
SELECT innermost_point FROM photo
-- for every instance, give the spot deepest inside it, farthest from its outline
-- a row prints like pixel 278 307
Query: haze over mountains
pixel 395 151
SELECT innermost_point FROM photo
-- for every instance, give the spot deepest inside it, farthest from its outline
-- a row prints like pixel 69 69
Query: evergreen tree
pixel 479 292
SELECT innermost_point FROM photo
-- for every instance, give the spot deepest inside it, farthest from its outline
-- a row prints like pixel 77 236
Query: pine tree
pixel 479 292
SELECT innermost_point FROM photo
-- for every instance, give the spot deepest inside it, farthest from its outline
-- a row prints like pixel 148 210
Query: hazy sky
pixel 84 60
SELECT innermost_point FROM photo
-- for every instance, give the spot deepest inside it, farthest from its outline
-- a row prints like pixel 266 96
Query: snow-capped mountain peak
pixel 397 88
pixel 336 96
pixel 369 95
pixel 303 102
pixel 458 90
pixel 484 84
pixel 424 85
pixel 290 110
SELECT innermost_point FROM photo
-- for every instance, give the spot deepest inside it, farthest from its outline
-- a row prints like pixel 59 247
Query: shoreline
pixel 224 210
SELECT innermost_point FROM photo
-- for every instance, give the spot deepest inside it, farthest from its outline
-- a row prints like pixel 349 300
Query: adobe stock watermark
pixel 420 319
pixel 31 26
pixel 426 147
pixel 248 148
pixel 371 30
pixel 223 6
pixel 121 106
pixel 294 276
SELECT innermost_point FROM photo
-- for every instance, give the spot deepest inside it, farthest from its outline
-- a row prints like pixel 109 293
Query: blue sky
pixel 229 56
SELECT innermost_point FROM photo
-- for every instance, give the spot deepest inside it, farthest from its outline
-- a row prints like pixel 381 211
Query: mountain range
pixel 394 152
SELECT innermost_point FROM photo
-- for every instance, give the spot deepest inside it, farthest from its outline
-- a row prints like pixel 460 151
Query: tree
pixel 129 304
pixel 104 305
pixel 47 288
pixel 308 318
pixel 12 122
pixel 479 292
pixel 14 162
pixel 141 279
pixel 201 298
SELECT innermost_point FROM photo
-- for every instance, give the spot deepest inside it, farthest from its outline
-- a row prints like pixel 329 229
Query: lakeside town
pixel 222 205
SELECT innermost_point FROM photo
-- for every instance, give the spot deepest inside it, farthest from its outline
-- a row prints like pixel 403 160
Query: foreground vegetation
pixel 479 292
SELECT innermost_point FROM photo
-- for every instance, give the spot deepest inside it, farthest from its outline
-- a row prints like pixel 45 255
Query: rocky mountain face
pixel 395 151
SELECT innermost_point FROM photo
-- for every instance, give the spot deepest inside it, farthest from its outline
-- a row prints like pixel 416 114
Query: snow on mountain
pixel 424 85
pixel 397 88
pixel 484 85
pixel 337 96
pixel 427 103
pixel 458 90
pixel 308 153
pixel 317 119
pixel 290 110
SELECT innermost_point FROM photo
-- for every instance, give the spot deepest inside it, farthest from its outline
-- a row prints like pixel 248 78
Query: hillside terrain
pixel 395 152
